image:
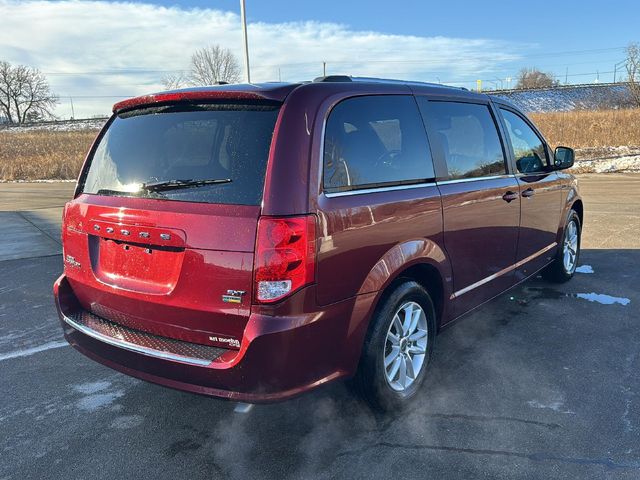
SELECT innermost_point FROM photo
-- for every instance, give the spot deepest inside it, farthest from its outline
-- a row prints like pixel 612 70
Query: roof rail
pixel 333 78
pixel 402 82
pixel 346 78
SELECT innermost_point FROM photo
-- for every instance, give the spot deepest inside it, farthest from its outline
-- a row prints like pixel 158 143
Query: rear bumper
pixel 281 356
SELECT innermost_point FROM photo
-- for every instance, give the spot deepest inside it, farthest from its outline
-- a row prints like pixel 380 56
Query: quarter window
pixel 467 136
pixel 375 141
pixel 528 147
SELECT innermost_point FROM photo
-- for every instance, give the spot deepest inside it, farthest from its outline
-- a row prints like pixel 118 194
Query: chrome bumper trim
pixel 171 348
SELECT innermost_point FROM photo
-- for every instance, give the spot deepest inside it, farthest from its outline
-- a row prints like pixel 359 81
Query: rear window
pixel 171 152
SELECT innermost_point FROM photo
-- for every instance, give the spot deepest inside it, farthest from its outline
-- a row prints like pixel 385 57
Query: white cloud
pixel 132 45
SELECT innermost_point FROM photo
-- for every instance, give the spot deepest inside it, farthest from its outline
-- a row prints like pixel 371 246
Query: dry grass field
pixel 45 154
pixel 590 128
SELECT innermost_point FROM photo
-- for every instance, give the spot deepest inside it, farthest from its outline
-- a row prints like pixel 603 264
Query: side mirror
pixel 563 158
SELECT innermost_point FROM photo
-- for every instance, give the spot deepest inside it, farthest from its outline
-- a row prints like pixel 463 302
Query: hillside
pixel 567 98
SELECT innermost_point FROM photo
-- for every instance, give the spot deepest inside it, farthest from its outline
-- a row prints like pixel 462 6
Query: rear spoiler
pixel 187 96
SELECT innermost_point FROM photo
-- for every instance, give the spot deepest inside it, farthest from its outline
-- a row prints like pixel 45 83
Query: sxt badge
pixel 233 296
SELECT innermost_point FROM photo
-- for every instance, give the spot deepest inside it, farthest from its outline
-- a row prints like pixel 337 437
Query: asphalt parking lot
pixel 543 382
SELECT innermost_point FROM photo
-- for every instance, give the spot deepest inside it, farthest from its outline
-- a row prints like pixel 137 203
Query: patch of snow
pixel 628 425
pixel 592 153
pixel 92 387
pixel 126 422
pixel 609 165
pixel 567 98
pixel 59 126
pixel 94 402
pixel 584 269
pixel 30 351
pixel 607 159
pixel 603 298
pixel 556 406
pixel 243 407
pixel 551 405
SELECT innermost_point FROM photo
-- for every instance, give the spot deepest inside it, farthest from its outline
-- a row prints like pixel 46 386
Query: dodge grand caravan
pixel 254 242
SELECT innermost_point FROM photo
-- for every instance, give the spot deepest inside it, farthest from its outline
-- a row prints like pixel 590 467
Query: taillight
pixel 285 256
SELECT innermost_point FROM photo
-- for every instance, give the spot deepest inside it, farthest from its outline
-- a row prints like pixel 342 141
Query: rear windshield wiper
pixel 177 183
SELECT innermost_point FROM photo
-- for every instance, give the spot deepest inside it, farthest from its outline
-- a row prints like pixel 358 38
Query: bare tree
pixel 214 64
pixel 209 66
pixel 24 94
pixel 174 81
pixel 633 70
pixel 534 78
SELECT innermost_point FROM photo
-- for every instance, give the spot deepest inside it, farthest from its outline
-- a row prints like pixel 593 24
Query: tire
pixel 371 380
pixel 560 271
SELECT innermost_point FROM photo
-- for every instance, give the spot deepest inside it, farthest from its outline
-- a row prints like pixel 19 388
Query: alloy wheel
pixel 405 346
pixel 570 248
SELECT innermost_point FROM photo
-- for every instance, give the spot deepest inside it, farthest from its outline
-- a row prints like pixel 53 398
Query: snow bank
pixel 607 160
pixel 62 126
pixel 566 98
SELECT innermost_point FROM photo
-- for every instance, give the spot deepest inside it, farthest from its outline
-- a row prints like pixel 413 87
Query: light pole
pixel 621 63
pixel 243 18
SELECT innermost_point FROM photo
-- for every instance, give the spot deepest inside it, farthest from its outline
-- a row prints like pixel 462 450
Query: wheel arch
pixel 427 272
pixel 578 206
pixel 572 201
pixel 421 260
pixel 427 276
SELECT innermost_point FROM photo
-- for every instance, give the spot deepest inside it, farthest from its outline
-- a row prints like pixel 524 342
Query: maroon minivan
pixel 253 242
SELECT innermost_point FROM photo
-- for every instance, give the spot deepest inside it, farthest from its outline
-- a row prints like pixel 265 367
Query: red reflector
pixel 285 257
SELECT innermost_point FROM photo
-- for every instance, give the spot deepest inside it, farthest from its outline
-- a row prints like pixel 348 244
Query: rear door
pixel 540 191
pixel 164 222
pixel 379 198
pixel 480 198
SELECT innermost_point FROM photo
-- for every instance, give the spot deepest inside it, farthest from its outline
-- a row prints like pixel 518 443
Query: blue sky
pixel 97 52
pixel 556 29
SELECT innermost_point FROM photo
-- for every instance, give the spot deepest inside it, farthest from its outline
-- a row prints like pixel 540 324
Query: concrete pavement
pixel 28 234
pixel 612 215
pixel 30 218
pixel 540 383
pixel 30 196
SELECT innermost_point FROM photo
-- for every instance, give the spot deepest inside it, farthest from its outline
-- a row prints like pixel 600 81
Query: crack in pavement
pixel 627 393
pixel 57 240
pixel 482 418
pixel 386 424
pixel 536 457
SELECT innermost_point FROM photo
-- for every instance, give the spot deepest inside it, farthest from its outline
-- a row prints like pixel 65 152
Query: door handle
pixel 510 196
pixel 529 192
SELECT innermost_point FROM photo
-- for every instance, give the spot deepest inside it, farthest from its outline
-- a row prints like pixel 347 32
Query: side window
pixel 528 147
pixel 468 138
pixel 375 141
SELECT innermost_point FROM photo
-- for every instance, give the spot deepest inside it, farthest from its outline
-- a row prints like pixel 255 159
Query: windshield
pixel 208 153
